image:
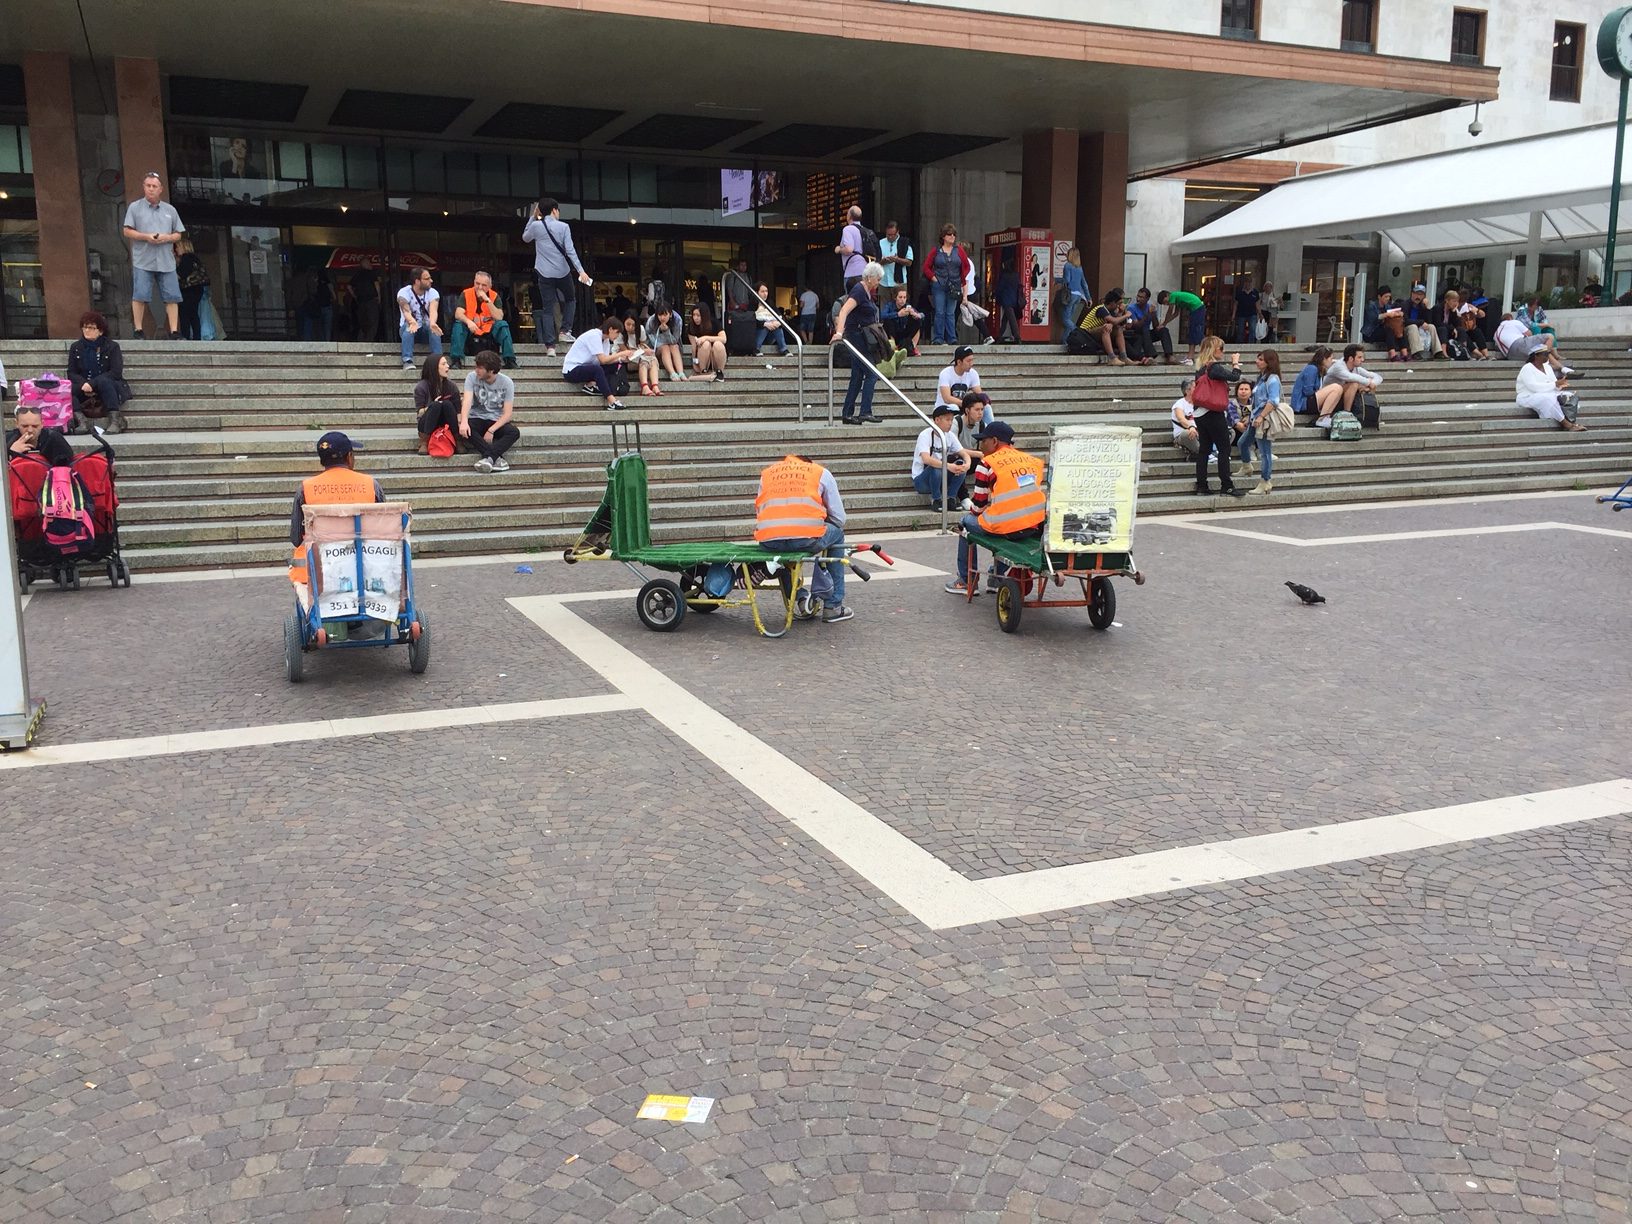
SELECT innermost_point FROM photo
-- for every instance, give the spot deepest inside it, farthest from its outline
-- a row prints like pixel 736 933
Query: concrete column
pixel 1532 258
pixel 1048 181
pixel 141 123
pixel 1102 207
pixel 54 138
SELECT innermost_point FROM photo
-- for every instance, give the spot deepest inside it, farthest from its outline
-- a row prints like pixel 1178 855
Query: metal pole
pixel 19 714
pixel 1615 199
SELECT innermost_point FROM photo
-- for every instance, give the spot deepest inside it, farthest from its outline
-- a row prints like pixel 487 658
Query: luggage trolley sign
pixel 1093 488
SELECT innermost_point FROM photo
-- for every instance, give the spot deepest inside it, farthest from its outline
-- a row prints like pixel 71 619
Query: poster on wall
pixel 1093 488
pixel 1062 251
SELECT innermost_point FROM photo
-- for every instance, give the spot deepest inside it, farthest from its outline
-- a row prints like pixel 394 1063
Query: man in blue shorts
pixel 152 227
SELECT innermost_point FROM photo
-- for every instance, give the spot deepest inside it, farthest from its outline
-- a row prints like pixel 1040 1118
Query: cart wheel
pixel 124 572
pixel 60 577
pixel 660 605
pixel 294 659
pixel 804 604
pixel 73 578
pixel 1009 604
pixel 1102 604
pixel 419 645
pixel 113 573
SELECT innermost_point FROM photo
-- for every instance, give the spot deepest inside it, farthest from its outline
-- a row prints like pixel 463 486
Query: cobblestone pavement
pixel 432 976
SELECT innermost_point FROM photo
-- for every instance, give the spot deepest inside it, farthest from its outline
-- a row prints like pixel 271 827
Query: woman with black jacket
pixel 96 366
pixel 436 400
pixel 1214 382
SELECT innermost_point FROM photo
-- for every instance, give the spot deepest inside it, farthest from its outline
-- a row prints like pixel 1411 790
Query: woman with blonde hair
pixel 194 280
pixel 1214 380
pixel 1078 298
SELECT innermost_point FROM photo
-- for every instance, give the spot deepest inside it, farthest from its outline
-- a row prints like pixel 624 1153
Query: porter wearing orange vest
pixel 338 484
pixel 1010 498
pixel 479 314
pixel 798 509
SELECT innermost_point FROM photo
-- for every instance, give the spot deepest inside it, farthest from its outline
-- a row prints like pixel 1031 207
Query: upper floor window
pixel 1467 37
pixel 1359 25
pixel 1567 40
pixel 1240 19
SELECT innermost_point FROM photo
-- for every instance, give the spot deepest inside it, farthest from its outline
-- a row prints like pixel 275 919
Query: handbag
pixel 1278 420
pixel 875 342
pixel 1569 404
pixel 1212 394
pixel 441 444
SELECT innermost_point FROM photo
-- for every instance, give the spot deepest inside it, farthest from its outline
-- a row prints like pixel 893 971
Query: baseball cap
pixel 1419 288
pixel 962 351
pixel 1001 431
pixel 943 410
pixel 335 445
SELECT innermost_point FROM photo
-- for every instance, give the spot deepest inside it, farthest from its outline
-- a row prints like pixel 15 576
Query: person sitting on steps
pixel 485 411
pixel 480 314
pixel 436 401
pixel 96 371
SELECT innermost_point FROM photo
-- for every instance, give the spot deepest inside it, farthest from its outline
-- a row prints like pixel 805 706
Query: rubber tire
pixel 1008 604
pixel 294 655
pixel 60 577
pixel 804 604
pixel 660 605
pixel 419 648
pixel 73 578
pixel 113 573
pixel 124 573
pixel 1101 603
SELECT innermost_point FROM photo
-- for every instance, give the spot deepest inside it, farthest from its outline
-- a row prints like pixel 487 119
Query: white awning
pixel 1479 197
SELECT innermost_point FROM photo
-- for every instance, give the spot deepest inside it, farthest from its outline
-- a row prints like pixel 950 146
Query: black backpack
pixel 870 249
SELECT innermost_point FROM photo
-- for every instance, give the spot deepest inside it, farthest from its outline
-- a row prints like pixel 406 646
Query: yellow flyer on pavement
pixel 675 1108
pixel 1093 488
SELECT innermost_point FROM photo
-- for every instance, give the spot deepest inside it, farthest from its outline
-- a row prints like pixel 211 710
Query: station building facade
pixel 680 137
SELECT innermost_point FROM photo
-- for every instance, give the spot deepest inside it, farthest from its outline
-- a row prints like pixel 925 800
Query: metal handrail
pixel 792 331
pixel 857 355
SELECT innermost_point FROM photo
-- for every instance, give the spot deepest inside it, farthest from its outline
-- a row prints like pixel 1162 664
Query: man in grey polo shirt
pixel 152 228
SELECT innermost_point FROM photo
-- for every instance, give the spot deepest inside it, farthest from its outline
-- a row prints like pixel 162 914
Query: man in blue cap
pixel 338 484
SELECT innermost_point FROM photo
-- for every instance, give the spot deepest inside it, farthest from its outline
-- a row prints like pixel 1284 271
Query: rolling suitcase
pixel 740 330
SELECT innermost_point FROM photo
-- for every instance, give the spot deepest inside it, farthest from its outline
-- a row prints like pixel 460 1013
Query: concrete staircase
pixel 221 433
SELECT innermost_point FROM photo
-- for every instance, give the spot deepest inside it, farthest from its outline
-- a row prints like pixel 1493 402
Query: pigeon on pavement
pixel 1308 595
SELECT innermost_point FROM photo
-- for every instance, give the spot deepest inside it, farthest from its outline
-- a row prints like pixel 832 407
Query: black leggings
pixel 440 412
pixel 1213 429
pixel 504 437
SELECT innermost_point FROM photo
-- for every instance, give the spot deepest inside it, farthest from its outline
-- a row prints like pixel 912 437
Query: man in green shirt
pixel 1196 329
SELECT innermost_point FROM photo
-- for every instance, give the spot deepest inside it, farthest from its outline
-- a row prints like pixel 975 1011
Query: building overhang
pixel 882 72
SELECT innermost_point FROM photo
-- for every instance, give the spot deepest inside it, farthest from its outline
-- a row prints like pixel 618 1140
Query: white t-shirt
pixel 418 307
pixel 1509 332
pixel 586 348
pixel 809 302
pixel 1533 380
pixel 946 444
pixel 1180 429
pixel 968 380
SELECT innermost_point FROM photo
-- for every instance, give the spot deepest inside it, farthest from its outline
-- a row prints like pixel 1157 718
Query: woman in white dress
pixel 1538 390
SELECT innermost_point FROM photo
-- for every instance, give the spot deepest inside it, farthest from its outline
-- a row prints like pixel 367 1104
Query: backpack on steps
pixel 1345 427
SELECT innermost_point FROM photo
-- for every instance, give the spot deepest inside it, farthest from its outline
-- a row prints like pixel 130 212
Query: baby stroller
pixel 65 511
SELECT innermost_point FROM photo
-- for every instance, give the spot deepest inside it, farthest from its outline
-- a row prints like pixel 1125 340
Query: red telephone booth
pixel 1031 253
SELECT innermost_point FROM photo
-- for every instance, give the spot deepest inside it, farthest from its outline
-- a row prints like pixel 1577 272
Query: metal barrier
pixel 857 355
pixel 791 332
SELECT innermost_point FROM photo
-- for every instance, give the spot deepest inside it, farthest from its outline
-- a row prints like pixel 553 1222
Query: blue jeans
pixel 946 314
pixel 971 522
pixel 928 482
pixel 553 289
pixel 827 583
pixel 777 334
pixel 864 381
pixel 408 339
pixel 1244 329
pixel 1247 442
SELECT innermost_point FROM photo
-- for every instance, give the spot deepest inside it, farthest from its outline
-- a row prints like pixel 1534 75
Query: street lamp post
pixel 1615 58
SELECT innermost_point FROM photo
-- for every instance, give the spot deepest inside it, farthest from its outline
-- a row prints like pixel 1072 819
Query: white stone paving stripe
pixel 905 872
pixel 1382 537
pixel 298 732
pixel 1143 875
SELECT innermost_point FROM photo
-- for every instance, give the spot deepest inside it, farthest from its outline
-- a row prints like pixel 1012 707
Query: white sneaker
pixel 989 340
pixel 484 464
pixel 565 337
pixel 499 465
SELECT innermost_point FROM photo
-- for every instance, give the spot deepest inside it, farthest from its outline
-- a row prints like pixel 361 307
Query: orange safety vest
pixel 334 486
pixel 789 505
pixel 478 315
pixel 1018 498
